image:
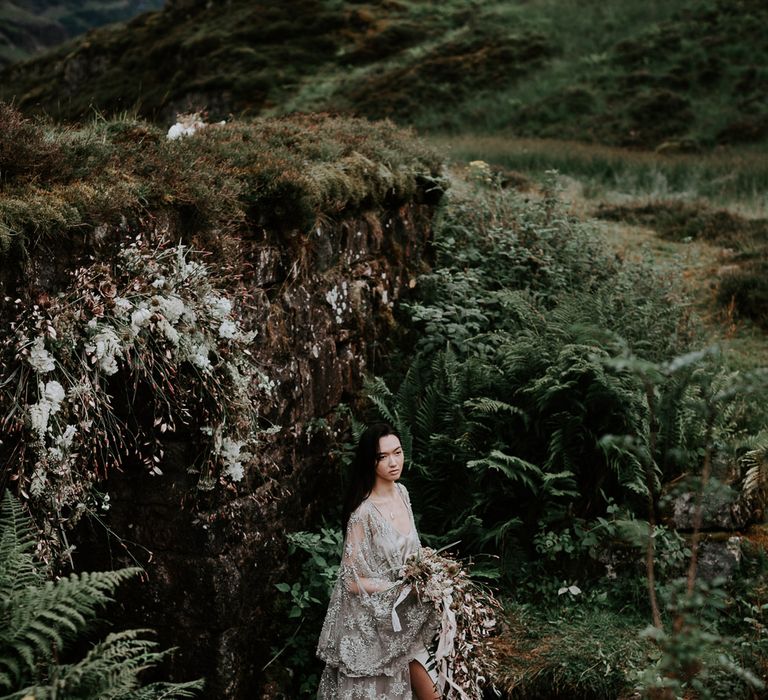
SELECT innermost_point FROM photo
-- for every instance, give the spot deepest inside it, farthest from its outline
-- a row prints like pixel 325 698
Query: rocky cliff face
pixel 212 563
pixel 321 297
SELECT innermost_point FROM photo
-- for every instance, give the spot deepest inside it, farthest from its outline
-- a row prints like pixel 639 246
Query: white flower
pixel 122 306
pixel 65 440
pixel 39 358
pixel 267 384
pixel 171 307
pixel 230 452
pixel 159 283
pixel 39 413
pixel 105 347
pixel 189 316
pixel 186 269
pixel 234 471
pixel 219 307
pixel 139 319
pixel 170 333
pixel 199 356
pixel 227 329
pixel 54 393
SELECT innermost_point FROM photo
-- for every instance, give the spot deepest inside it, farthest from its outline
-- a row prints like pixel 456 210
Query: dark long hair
pixel 363 468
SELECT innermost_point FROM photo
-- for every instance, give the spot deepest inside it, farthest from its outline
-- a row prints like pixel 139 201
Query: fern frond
pixel 38 618
pixel 514 468
pixel 756 477
pixel 559 484
pixel 111 669
pixel 486 406
pixel 380 395
pixel 18 569
pixel 169 691
pixel 43 617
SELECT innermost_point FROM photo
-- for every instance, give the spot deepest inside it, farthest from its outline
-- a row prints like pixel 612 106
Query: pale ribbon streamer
pixel 395 619
pixel 444 643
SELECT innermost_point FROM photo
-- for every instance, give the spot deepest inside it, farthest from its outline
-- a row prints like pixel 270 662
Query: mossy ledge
pixel 316 226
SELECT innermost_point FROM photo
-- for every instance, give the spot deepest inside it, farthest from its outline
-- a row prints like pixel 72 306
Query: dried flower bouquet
pixel 464 659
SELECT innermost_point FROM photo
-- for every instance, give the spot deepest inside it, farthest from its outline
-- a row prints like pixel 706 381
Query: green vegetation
pixel 711 207
pixel 57 182
pixel 549 385
pixel 41 620
pixel 686 74
pixel 736 175
pixel 25 31
pixel 570 651
pixel 159 314
pixel 534 345
pixel 745 286
pixel 304 607
pixel 554 390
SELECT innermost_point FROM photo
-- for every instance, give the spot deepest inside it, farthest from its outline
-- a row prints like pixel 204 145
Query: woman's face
pixel 389 460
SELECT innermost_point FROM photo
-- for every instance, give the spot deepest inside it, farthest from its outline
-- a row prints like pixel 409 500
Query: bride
pixel 374 640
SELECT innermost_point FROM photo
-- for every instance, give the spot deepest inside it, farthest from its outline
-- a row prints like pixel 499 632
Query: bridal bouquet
pixel 465 660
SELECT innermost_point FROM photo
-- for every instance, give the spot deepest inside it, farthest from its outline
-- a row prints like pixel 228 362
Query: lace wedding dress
pixel 366 659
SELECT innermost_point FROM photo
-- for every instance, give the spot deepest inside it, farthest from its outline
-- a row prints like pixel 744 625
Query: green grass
pixel 576 652
pixel 736 175
pixel 709 211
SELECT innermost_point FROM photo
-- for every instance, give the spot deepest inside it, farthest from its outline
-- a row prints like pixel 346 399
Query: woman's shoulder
pixel 404 491
pixel 362 512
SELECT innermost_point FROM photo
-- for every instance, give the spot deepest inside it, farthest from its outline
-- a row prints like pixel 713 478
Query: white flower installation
pixel 154 323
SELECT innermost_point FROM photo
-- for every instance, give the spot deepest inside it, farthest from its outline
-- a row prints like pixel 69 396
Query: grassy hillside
pixel 27 28
pixel 636 74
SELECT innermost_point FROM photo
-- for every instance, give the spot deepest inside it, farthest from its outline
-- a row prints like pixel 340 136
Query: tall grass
pixel 733 175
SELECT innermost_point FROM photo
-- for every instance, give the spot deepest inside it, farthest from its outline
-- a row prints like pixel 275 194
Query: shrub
pixel 747 290
pixel 306 605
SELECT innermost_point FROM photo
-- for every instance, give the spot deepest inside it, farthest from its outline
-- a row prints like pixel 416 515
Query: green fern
pixel 550 382
pixel 39 618
pixel 17 542
pixel 111 670
pixel 513 468
pixel 755 463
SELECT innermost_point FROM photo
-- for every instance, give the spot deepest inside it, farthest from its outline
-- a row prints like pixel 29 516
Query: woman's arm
pixel 357 578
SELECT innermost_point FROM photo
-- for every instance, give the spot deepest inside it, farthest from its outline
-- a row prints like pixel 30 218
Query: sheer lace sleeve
pixel 406 496
pixel 358 569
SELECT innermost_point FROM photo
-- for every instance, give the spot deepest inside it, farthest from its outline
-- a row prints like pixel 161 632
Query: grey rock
pixel 722 509
pixel 719 558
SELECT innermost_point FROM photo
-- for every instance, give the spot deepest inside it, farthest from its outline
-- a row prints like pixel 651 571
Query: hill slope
pixel 27 28
pixel 623 73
